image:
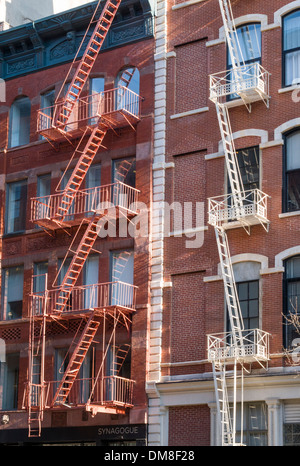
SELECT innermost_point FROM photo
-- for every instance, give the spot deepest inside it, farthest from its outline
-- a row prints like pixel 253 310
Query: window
pixel 122 270
pixel 96 87
pixel 12 298
pixel 40 271
pixel 47 104
pixel 91 277
pixel 16 200
pixel 248 162
pixel 248 294
pixel 19 122
pixel 9 382
pixel 93 180
pixel 124 170
pixel 255 424
pixel 291 294
pixel 249 37
pixel 291 169
pixel 291 48
pixel 43 193
pixel 129 78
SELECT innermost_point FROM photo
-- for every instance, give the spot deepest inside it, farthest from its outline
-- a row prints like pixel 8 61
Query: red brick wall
pixel 189 426
pixel 194 178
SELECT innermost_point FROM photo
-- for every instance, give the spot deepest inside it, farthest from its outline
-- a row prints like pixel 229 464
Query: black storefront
pixel 111 435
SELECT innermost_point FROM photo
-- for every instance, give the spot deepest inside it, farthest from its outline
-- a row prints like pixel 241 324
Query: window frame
pixel 12 143
pixel 5 284
pixel 285 172
pixel 8 209
pixel 248 300
pixel 286 281
pixel 232 97
pixel 285 52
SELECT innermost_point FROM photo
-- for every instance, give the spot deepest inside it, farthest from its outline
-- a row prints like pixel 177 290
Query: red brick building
pixel 188 293
pixel 44 319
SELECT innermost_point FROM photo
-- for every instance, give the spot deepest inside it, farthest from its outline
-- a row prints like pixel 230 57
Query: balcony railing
pixel 85 203
pixel 251 82
pixel 223 212
pixel 104 391
pixel 86 297
pixel 120 106
pixel 221 346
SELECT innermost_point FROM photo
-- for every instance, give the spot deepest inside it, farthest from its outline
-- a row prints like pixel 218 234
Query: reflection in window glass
pixel 19 122
pixel 291 48
pixel 291 182
pixel 16 200
pixel 12 297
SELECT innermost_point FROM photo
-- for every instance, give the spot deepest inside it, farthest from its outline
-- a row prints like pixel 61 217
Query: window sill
pixel 189 113
pixel 289 214
pixel 289 88
pixel 13 321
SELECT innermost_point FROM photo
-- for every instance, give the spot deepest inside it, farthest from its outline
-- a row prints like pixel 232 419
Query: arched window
pixel 291 292
pixel 291 172
pixel 291 48
pixel 129 77
pixel 19 122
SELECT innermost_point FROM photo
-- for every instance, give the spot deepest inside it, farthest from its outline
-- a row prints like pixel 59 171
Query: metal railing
pixel 223 210
pixel 86 297
pixel 109 390
pixel 222 347
pixel 89 109
pixel 86 201
pixel 244 80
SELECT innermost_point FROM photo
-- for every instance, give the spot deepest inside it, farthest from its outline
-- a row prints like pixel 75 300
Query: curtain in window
pixel 249 37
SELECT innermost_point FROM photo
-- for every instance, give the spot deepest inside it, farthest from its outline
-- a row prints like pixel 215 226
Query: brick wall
pixel 189 426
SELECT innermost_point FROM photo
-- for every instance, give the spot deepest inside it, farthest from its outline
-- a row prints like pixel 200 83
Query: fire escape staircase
pixel 232 347
pixel 87 61
pixel 76 360
pixel 35 394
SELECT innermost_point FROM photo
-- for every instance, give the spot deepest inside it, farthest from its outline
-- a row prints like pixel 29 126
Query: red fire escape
pixel 103 306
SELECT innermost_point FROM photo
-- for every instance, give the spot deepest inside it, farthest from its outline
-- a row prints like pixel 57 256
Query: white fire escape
pixel 238 347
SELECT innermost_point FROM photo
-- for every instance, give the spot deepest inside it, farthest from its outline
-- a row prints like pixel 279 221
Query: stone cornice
pixel 54 40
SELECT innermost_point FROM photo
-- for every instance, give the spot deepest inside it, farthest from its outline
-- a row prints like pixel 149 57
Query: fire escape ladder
pixel 98 35
pixel 223 406
pixel 234 175
pixel 76 360
pixel 85 160
pixel 231 296
pixel 36 369
pixel 119 265
pixel 126 77
pixel 121 353
pixel 234 48
pixel 77 263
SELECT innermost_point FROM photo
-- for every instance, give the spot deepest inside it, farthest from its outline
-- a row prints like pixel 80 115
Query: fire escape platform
pixel 102 299
pixel 223 212
pixel 113 201
pixel 222 348
pixel 249 82
pixel 115 108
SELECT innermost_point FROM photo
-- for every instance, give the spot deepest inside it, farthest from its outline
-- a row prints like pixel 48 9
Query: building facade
pixel 46 321
pixel 189 171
